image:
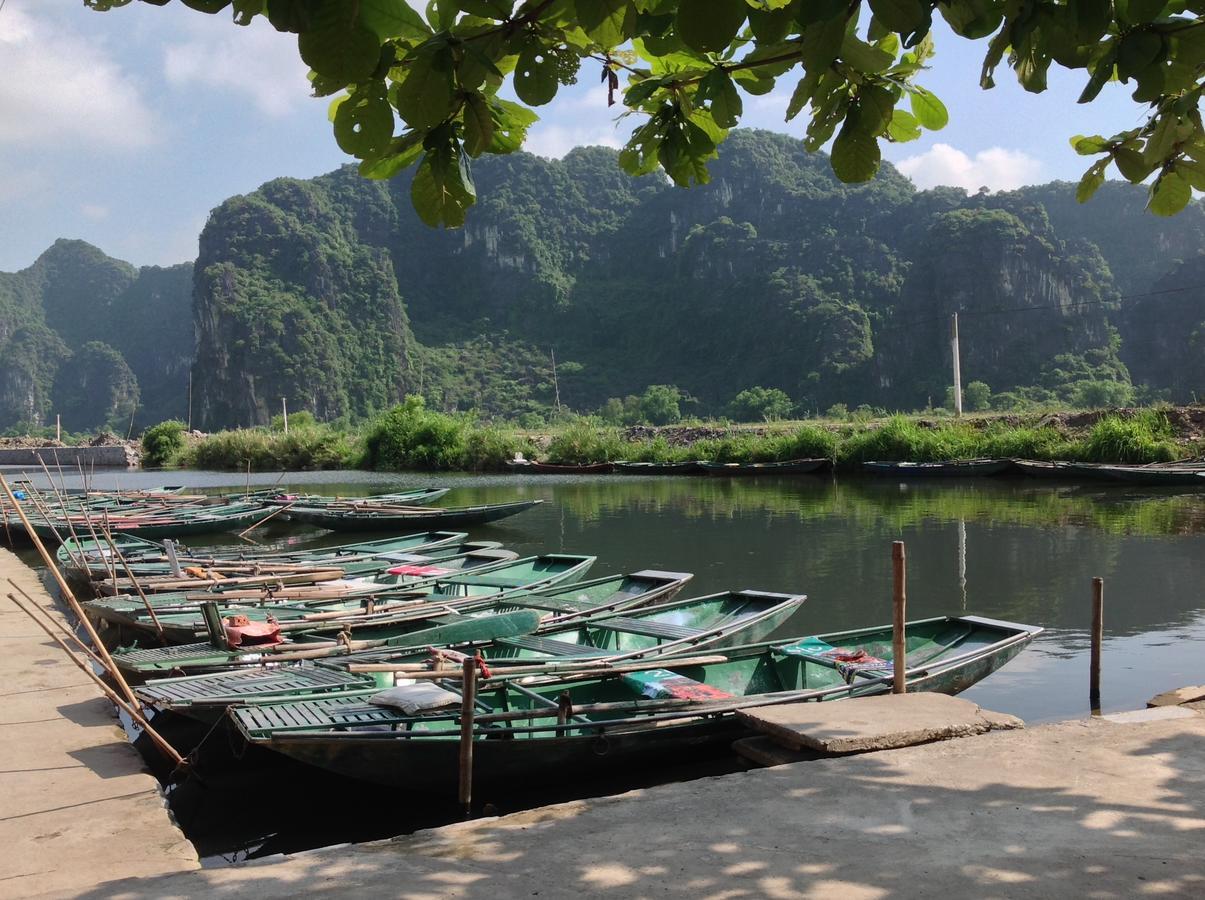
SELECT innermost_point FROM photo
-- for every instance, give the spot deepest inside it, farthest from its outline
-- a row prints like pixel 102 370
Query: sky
pixel 126 128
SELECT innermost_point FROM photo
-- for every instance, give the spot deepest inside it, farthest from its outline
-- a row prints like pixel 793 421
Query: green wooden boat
pixel 169 522
pixel 206 696
pixel 371 520
pixel 316 630
pixel 416 497
pixel 786 467
pixel 690 467
pixel 954 468
pixel 367 601
pixel 94 559
pixel 350 573
pixel 622 722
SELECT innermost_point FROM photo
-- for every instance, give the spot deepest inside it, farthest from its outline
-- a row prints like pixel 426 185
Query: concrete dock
pixel 78 806
pixel 1104 808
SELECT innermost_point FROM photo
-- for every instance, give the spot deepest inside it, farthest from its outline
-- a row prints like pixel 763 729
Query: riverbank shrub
pixel 489 448
pixel 900 439
pixel 410 436
pixel 1144 437
pixel 313 447
pixel 163 444
pixel 584 442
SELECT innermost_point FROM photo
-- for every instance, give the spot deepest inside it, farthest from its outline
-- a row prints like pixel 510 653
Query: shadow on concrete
pixel 1098 810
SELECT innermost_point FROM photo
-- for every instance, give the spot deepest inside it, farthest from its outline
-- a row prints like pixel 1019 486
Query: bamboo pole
pixel 69 596
pixel 899 602
pixel 1098 633
pixel 468 701
pixel 167 749
pixel 137 587
pixel 274 512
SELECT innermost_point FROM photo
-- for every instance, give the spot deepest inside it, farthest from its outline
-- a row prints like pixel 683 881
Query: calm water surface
pixel 1019 550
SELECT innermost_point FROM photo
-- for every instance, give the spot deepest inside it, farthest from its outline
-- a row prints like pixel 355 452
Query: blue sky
pixel 125 128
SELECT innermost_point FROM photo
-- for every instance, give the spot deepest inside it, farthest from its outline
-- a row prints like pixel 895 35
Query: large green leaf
pixel 770 26
pixel 607 22
pixel 726 106
pixel 1170 195
pixel 424 97
pixel 364 123
pixel 929 111
pixel 347 51
pixel 856 156
pixel 442 189
pixel 904 16
pixel 393 19
pixel 478 125
pixel 536 75
pixel 709 25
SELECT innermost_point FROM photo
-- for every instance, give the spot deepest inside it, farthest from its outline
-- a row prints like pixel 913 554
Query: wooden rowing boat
pixel 786 467
pixel 539 468
pixel 954 468
pixel 628 721
pixel 398 519
pixel 691 467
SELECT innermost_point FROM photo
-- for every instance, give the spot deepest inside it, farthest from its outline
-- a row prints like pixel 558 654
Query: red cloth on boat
pixel 242 632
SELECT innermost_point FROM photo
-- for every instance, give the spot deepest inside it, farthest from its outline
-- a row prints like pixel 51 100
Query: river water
pixel 1019 550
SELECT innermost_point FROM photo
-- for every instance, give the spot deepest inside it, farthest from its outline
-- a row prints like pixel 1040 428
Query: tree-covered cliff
pixel 331 293
pixel 93 339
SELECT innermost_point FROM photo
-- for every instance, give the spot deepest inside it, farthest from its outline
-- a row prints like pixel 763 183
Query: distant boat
pixel 786 467
pixel 539 468
pixel 689 467
pixel 402 519
pixel 954 468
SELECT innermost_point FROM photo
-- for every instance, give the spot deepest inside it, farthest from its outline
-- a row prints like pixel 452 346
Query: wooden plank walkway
pixel 79 806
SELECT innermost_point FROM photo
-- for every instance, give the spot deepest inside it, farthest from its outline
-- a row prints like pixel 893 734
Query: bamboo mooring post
pixel 284 413
pixel 468 708
pixel 1098 633
pixel 899 603
pixel 58 428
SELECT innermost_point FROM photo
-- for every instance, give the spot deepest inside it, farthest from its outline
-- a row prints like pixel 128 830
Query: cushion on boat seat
pixel 416 698
pixel 662 684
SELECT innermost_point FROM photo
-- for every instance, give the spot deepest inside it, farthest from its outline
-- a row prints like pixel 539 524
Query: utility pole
pixel 190 398
pixel 284 412
pixel 957 365
pixel 555 385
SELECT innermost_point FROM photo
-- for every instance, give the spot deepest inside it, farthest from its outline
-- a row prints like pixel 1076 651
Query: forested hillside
pixel 330 292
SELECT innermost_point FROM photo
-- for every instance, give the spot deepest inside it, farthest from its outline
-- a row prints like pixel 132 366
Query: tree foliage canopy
pixel 409 87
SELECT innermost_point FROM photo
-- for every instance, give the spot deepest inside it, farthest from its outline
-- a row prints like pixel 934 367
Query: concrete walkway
pixel 77 806
pixel 1093 809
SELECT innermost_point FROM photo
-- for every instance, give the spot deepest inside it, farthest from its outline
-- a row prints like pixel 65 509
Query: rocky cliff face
pixel 72 295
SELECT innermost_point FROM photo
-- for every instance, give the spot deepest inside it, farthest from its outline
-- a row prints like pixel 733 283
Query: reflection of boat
pixel 539 468
pixel 786 467
pixel 572 729
pixel 691 467
pixel 399 519
pixel 954 468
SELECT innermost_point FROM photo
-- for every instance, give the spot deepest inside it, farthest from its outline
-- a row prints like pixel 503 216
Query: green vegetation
pixel 411 436
pixel 758 404
pixel 163 444
pixel 857 67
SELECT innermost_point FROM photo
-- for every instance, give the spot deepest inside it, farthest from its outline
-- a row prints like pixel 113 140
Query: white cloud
pixel 59 85
pixel 555 141
pixel 996 168
pixel 94 211
pixel 256 61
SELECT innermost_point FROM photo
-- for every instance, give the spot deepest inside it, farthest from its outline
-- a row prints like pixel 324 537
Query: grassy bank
pixel 410 436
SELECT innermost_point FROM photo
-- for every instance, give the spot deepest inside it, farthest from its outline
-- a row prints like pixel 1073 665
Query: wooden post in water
pixel 284 413
pixel 1098 633
pixel 58 427
pixel 899 603
pixel 468 709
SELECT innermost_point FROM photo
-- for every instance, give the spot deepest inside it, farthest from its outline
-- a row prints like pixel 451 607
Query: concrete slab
pixel 1180 695
pixel 1088 809
pixel 1150 714
pixel 765 751
pixel 866 724
pixel 78 805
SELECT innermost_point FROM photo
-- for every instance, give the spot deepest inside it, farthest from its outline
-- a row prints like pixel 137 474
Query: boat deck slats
pixel 648 628
pixel 249 683
pixel 549 646
pixel 313 714
pixel 167 654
